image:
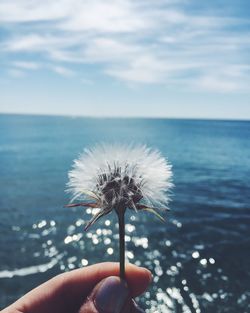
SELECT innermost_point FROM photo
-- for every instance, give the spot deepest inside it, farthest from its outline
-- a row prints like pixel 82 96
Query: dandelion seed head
pixel 119 176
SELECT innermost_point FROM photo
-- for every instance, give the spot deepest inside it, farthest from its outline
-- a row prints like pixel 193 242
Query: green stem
pixel 121 219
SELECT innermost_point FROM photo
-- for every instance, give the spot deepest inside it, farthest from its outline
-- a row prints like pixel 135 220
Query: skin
pixel 67 292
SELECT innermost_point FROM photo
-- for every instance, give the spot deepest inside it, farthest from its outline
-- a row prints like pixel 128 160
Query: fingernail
pixel 149 274
pixel 112 295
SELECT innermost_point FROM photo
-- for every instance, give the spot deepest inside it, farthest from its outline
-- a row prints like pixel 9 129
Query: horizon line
pixel 126 117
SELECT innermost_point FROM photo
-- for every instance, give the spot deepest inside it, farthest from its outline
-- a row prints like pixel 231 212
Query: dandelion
pixel 119 177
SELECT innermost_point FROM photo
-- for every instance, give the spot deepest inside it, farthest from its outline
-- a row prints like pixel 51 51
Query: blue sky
pixel 161 58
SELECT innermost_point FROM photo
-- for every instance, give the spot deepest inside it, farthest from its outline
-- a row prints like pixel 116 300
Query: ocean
pixel 199 257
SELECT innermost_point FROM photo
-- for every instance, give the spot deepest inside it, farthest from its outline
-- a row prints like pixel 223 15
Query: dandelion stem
pixel 121 219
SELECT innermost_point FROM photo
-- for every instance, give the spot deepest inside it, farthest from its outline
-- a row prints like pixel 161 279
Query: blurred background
pixel 172 74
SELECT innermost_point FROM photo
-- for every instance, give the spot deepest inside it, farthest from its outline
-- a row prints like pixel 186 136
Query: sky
pixel 126 58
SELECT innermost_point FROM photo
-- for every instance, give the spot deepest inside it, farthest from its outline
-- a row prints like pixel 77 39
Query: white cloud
pixel 218 84
pixel 63 71
pixel 15 73
pixel 33 10
pixel 20 68
pixel 146 69
pixel 110 50
pixel 113 16
pixel 36 43
pixel 133 41
pixel 26 65
pixel 229 79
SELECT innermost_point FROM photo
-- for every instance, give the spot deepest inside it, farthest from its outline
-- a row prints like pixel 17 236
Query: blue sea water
pixel 199 257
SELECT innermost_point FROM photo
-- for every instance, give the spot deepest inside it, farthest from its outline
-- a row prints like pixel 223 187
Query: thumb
pixel 111 295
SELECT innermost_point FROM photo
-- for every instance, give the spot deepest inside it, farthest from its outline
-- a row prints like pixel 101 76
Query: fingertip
pixel 142 271
pixel 148 274
pixel 138 279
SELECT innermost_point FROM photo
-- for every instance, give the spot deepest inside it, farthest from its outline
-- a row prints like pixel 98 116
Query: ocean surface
pixel 200 257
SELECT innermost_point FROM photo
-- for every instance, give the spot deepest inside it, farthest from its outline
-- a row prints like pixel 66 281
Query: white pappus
pixel 116 177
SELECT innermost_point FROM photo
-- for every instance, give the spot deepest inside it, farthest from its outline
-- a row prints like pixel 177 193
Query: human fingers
pixel 111 295
pixel 68 291
pixel 138 278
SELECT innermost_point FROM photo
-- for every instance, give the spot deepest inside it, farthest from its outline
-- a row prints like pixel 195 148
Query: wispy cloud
pixel 133 41
pixel 62 71
pixel 13 72
pixel 26 65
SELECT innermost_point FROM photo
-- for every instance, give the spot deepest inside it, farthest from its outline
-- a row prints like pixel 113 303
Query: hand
pixel 93 289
